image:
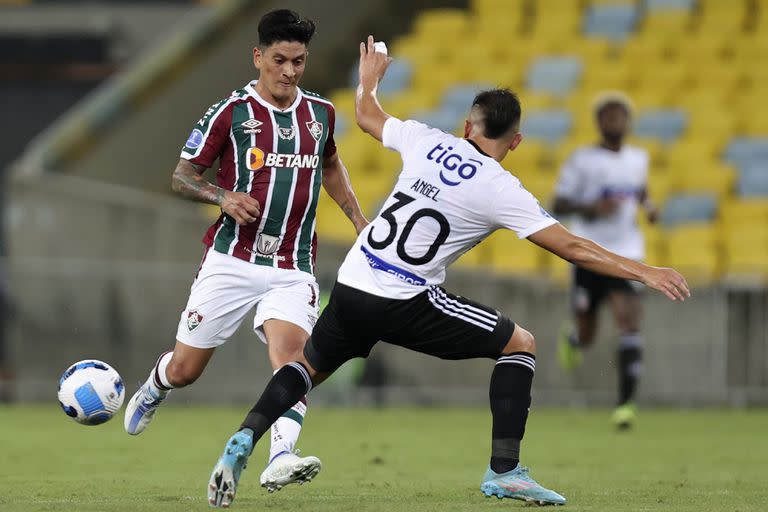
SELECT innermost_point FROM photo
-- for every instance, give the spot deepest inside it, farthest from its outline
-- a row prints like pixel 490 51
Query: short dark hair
pixel 285 25
pixel 501 111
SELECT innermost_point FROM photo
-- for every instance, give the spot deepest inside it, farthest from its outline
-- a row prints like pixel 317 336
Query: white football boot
pixel 142 408
pixel 288 468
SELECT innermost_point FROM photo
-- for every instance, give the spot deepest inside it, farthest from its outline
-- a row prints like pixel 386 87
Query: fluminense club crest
pixel 315 129
pixel 193 320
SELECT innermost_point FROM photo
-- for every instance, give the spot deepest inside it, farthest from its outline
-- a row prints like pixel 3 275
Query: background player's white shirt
pixel 594 172
pixel 448 197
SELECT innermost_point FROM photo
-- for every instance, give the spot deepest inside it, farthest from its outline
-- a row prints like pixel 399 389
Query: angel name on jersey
pixel 258 159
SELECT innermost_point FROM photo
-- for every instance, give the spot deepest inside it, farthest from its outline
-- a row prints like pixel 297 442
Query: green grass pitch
pixel 389 460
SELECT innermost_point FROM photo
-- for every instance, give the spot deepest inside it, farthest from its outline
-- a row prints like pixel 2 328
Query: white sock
pixel 286 430
pixel 158 380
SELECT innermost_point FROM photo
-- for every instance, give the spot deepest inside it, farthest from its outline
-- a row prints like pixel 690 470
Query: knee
pixel 180 375
pixel 521 341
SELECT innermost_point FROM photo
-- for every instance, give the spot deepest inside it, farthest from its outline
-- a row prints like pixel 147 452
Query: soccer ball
pixel 91 392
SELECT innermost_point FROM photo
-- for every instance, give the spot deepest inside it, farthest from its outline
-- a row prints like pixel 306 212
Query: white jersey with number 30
pixel 448 198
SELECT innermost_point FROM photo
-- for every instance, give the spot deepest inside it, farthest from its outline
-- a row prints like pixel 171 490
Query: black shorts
pixel 589 289
pixel 433 322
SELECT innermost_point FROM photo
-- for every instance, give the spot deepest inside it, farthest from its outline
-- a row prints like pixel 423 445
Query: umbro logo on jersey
pixel 286 133
pixel 251 126
pixel 315 129
pixel 256 159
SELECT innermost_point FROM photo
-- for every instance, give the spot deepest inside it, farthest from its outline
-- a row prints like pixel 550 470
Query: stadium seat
pixel 557 75
pixel 398 76
pixel 741 212
pixel 548 125
pixel 668 5
pixel 746 257
pixel 614 22
pixel 743 151
pixel 441 119
pixel 663 124
pixel 702 178
pixel 753 180
pixel 508 255
pixel 693 251
pixel 689 208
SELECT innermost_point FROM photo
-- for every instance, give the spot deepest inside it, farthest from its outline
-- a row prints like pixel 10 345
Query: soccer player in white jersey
pixel 275 147
pixel 450 195
pixel 603 186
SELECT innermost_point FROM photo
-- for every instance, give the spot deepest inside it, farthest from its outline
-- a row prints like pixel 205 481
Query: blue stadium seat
pixel 398 76
pixel 743 152
pixel 554 75
pixel 668 5
pixel 663 124
pixel 687 208
pixel 615 22
pixel 441 119
pixel 753 180
pixel 458 98
pixel 548 125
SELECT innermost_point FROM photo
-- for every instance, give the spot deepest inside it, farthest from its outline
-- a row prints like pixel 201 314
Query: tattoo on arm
pixel 188 181
pixel 348 211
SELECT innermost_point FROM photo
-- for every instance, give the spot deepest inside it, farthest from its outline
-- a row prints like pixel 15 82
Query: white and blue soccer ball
pixel 91 392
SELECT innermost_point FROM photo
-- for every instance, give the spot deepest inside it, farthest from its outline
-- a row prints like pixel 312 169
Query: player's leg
pixel 346 329
pixel 586 297
pixel 221 295
pixel 173 369
pixel 285 343
pixel 626 306
pixel 452 327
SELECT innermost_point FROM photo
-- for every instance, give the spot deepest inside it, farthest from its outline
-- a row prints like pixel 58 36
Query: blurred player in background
pixel 451 194
pixel 275 147
pixel 603 186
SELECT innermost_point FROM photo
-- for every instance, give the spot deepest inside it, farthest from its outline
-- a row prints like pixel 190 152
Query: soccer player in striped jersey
pixel 275 147
pixel 451 194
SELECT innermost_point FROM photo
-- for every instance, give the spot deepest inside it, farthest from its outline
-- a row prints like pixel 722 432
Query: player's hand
pixel 241 207
pixel 652 214
pixel 373 65
pixel 602 208
pixel 668 281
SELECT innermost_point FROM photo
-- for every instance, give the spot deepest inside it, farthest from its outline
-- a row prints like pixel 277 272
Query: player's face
pixel 613 122
pixel 280 68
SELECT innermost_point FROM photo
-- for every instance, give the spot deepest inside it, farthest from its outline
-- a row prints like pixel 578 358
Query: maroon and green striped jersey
pixel 276 156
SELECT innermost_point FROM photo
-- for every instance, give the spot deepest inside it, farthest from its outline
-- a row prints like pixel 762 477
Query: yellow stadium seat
pixel 746 257
pixel 508 255
pixel 654 247
pixel 332 225
pixel 477 257
pixel 542 186
pixel 529 156
pixel 498 8
pixel 442 22
pixel 659 187
pixel 557 269
pixel 693 251
pixel 674 24
pixel 704 177
pixel 743 212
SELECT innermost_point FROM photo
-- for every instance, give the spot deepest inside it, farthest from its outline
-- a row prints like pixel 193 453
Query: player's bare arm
pixel 188 181
pixel 600 208
pixel 338 185
pixel 368 112
pixel 589 255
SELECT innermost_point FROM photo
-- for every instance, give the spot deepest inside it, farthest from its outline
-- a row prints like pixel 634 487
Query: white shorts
pixel 226 289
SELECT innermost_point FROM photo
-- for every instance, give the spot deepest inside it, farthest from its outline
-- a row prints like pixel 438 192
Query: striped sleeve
pixel 210 135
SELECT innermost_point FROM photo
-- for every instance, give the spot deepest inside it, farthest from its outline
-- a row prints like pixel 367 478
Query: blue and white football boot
pixel 518 485
pixel 142 408
pixel 226 474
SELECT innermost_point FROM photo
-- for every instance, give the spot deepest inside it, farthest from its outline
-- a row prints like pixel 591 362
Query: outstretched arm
pixel 188 182
pixel 336 182
pixel 368 112
pixel 589 255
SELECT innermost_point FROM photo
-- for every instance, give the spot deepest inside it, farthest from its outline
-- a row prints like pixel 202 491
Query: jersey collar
pixel 474 145
pixel 251 88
